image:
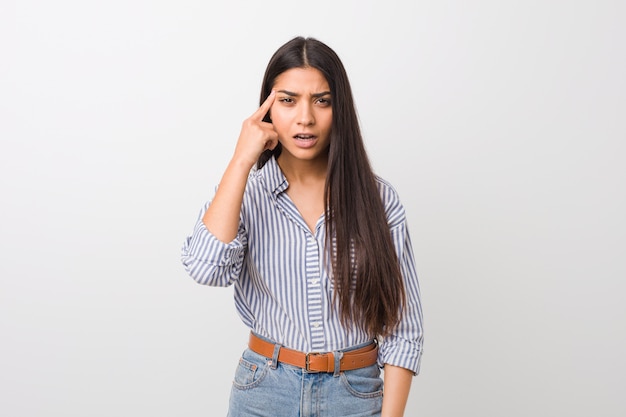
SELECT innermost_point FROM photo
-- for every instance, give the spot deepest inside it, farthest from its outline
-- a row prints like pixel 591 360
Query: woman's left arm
pixel 401 351
pixel 396 390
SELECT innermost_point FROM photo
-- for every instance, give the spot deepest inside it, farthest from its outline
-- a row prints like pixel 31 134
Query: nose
pixel 306 114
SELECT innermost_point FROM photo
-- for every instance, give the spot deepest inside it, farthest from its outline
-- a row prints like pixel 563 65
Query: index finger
pixel 265 107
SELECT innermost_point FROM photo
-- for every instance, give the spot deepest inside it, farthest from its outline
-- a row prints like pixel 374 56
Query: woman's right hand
pixel 256 135
pixel 222 216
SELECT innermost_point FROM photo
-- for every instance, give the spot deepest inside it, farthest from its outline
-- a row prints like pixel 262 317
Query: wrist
pixel 241 163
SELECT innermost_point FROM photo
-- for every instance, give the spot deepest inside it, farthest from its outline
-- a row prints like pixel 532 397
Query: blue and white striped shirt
pixel 282 287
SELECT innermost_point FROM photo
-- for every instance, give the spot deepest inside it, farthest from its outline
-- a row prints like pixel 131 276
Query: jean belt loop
pixel 274 363
pixel 338 357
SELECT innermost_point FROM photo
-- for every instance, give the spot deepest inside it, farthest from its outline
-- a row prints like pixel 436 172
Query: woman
pixel 317 249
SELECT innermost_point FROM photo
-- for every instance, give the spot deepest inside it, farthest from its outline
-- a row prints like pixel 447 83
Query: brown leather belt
pixel 317 362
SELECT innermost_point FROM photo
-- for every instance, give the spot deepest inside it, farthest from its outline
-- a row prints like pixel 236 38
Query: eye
pixel 287 100
pixel 324 101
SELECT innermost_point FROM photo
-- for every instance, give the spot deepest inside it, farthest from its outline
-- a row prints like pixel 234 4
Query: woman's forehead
pixel 302 81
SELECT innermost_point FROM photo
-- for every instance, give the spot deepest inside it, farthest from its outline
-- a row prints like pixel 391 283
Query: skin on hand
pixel 256 135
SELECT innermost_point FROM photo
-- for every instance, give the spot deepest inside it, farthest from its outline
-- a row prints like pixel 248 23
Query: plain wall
pixel 501 124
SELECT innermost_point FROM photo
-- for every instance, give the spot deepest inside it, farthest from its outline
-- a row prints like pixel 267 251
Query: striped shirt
pixel 282 287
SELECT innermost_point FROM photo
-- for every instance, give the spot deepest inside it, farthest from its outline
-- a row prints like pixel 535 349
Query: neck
pixel 299 171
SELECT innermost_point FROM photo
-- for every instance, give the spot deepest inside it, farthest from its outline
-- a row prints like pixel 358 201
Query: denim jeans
pixel 265 388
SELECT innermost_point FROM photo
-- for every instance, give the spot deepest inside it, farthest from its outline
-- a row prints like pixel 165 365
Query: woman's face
pixel 302 113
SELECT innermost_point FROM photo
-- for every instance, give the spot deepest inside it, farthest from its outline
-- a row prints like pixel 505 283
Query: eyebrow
pixel 315 95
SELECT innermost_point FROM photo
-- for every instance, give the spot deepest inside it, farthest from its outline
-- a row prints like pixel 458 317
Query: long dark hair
pixel 354 213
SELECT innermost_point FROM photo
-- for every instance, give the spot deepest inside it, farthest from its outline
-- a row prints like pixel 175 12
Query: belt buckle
pixel 307 362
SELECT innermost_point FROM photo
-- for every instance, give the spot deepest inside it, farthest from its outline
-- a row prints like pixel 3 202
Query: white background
pixel 501 124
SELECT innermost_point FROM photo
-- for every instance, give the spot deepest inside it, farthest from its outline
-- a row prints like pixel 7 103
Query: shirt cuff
pixel 400 352
pixel 204 247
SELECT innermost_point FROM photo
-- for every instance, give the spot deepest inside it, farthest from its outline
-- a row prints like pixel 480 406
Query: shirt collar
pixel 273 176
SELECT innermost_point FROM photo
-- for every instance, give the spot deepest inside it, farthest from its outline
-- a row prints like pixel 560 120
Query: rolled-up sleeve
pixel 210 261
pixel 403 347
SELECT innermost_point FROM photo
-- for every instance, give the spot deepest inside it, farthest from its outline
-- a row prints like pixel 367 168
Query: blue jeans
pixel 265 388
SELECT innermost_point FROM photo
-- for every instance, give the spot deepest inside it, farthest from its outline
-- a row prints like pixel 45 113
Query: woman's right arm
pixel 222 216
pixel 213 255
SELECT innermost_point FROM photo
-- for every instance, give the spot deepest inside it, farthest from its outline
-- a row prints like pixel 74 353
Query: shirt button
pixel 315 281
pixel 316 324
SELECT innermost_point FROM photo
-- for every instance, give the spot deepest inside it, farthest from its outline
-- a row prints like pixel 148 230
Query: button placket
pixel 314 294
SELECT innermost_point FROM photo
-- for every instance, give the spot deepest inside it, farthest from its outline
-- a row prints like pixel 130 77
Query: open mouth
pixel 305 137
